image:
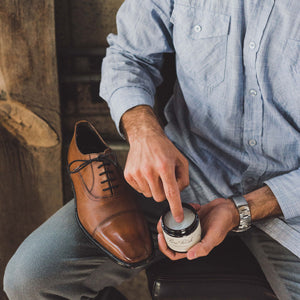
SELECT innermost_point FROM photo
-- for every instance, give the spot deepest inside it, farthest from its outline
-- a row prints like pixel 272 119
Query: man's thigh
pixel 280 266
pixel 57 260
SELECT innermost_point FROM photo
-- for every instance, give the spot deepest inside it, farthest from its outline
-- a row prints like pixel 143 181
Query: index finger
pixel 172 193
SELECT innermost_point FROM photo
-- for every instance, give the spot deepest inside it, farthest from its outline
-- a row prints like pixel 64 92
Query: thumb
pixel 203 248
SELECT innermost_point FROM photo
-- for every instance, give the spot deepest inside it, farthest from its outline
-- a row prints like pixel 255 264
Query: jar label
pixel 184 243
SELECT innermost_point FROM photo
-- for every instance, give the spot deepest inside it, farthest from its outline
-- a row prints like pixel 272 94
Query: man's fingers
pixel 138 182
pixel 172 194
pixel 156 188
pixel 203 248
pixel 182 174
pixel 199 250
pixel 131 181
pixel 158 226
pixel 164 247
pixel 167 251
pixel 144 186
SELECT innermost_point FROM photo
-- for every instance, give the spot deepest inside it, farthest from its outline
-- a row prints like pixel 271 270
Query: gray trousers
pixel 57 261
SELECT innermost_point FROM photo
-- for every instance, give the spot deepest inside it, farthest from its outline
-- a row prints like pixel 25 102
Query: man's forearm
pixel 139 121
pixel 263 204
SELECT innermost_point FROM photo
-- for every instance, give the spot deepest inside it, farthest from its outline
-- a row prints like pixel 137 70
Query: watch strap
pixel 244 212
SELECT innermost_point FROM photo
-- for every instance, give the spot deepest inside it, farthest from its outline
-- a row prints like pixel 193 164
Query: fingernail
pixel 191 255
pixel 178 219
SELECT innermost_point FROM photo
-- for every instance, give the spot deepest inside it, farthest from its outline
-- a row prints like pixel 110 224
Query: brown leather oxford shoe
pixel 106 206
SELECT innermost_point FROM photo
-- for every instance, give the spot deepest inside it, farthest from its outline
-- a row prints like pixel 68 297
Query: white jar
pixel 180 237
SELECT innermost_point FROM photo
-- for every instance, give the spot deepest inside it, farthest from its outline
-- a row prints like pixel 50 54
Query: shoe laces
pixel 106 161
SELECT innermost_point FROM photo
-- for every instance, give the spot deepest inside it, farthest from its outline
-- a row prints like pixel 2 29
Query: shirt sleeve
pixel 286 189
pixel 131 68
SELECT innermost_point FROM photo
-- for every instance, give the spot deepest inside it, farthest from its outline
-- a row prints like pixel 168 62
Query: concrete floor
pixel 136 288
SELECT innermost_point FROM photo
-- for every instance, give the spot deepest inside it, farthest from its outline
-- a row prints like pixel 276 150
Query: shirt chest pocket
pixel 200 41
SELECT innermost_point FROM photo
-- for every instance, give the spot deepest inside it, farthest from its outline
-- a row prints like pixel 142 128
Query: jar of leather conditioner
pixel 180 237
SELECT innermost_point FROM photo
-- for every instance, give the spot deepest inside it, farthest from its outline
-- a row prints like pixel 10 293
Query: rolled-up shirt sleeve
pixel 131 68
pixel 286 189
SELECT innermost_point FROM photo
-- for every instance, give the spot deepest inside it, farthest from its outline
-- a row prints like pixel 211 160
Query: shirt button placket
pixel 252 105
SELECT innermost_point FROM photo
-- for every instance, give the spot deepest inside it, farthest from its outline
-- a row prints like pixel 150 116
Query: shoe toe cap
pixel 127 237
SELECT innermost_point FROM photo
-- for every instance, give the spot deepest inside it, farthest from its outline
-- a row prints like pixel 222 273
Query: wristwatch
pixel 244 211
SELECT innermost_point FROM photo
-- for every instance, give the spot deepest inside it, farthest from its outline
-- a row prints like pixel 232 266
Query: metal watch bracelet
pixel 244 212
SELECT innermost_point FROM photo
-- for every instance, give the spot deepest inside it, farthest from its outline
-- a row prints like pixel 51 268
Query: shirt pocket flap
pixel 207 25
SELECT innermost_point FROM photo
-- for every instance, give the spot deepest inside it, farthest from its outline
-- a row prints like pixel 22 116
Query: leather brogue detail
pixel 106 206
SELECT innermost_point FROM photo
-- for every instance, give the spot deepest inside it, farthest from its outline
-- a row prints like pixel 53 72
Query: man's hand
pixel 154 165
pixel 217 218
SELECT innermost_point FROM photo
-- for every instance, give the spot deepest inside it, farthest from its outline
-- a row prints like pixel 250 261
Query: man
pixel 234 123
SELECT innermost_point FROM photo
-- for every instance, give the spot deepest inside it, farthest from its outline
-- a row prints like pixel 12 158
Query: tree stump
pixel 30 129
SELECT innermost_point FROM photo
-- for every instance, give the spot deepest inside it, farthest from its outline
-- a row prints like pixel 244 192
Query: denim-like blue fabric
pixel 235 111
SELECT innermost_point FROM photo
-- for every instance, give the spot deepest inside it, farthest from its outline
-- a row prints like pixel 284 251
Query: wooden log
pixel 30 129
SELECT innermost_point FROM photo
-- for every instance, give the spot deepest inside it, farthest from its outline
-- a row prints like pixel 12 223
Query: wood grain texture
pixel 30 129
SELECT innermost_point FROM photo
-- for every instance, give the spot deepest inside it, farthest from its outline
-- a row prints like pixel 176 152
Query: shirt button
pixel 252 45
pixel 197 28
pixel 252 142
pixel 253 92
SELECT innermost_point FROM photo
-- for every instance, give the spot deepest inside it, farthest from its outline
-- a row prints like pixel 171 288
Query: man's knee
pixel 25 276
pixel 19 280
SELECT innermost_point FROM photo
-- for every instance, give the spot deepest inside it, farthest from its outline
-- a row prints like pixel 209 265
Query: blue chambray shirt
pixel 235 111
